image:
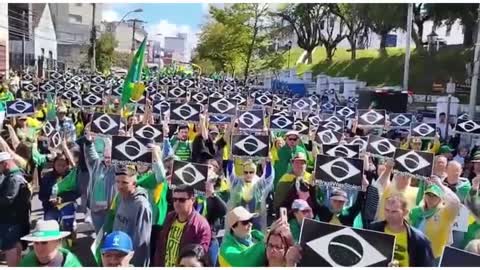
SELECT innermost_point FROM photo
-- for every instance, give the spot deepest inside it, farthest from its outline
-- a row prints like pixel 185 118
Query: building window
pixel 74 18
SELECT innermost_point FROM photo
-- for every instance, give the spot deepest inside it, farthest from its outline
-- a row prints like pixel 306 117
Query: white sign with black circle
pixel 97 89
pixel 400 120
pixel 281 123
pixel 190 174
pixel 48 128
pixel 336 126
pixel 186 83
pixel 301 105
pixel 131 151
pixel 281 112
pixel 330 117
pixel 468 126
pixel 341 150
pixel 327 136
pixel 105 124
pixel 463 116
pixel 339 171
pixel 454 257
pixel 222 106
pixel 381 147
pixel 151 132
pixel 314 120
pixel 413 163
pixel 55 139
pixel 241 99
pixel 329 245
pixel 361 141
pixel 251 120
pixel 250 146
pixel 263 100
pixel 185 113
pixel 327 107
pixel 48 86
pixel 371 118
pixel 345 112
pixel 199 98
pixel 216 94
pixel 424 130
pixel 287 102
pixel 29 87
pixel 76 102
pixel 160 107
pixel 92 100
pixel 20 107
pixel 220 119
pixel 302 127
pixel 176 93
pixel 165 81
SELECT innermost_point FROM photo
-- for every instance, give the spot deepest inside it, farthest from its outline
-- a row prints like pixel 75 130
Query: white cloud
pixel 110 15
pixel 168 29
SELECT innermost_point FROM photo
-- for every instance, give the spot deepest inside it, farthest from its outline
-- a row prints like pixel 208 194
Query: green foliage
pixel 104 51
pixel 122 60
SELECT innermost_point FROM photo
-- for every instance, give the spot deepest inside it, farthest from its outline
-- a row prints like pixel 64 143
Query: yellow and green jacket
pixel 236 254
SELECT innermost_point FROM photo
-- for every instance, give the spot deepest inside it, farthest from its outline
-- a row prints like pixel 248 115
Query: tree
pixel 122 60
pixel 104 51
pixel 420 16
pixel 383 18
pixel 305 20
pixel 352 16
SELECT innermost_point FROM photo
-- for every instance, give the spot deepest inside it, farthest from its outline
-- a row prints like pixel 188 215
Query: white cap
pixel 4 156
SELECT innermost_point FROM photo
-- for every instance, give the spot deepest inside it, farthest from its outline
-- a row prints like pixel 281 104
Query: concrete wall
pixel 4 44
pixel 45 36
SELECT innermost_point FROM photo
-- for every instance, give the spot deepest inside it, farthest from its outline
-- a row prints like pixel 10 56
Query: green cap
pixel 476 156
pixel 435 190
pixel 445 149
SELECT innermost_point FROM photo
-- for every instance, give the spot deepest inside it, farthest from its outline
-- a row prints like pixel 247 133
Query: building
pixel 45 38
pixel 4 56
pixel 73 26
pixel 123 33
pixel 178 47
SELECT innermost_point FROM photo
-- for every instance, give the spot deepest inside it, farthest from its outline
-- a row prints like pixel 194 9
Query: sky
pixel 165 19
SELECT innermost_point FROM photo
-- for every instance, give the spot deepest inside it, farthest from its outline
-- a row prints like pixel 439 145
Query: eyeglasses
pixel 275 247
pixel 249 172
pixel 243 222
pixel 180 200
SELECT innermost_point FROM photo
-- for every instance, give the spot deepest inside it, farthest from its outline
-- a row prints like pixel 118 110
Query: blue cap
pixel 117 241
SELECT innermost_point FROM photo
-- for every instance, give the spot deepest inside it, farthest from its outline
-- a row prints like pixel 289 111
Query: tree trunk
pixel 468 35
pixel 353 48
pixel 383 43
pixel 307 58
pixel 329 51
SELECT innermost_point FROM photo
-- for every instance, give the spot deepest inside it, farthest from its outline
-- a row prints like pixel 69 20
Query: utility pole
pixel 406 67
pixel 93 38
pixel 23 41
pixel 476 67
pixel 133 36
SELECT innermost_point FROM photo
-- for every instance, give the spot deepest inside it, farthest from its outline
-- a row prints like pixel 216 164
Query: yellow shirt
pixel 438 229
pixel 173 243
pixel 401 247
pixel 410 194
pixel 335 220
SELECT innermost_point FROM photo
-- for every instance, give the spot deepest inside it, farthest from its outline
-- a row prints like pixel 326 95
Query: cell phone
pixel 283 213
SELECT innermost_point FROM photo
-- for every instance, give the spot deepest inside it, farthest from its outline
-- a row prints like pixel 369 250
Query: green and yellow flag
pixel 133 88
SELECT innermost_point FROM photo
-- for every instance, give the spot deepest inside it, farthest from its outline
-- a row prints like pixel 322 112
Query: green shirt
pixel 182 149
pixel 70 260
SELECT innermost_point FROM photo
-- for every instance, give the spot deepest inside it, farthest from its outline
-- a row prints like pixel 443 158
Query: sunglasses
pixel 243 222
pixel 306 211
pixel 249 172
pixel 180 200
pixel 292 139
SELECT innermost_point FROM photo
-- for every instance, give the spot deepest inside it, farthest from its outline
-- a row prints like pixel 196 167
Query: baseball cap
pixel 338 194
pixel 476 156
pixel 300 205
pixel 117 241
pixel 292 132
pixel 4 156
pixel 299 156
pixel 445 149
pixel 435 190
pixel 125 170
pixel 237 214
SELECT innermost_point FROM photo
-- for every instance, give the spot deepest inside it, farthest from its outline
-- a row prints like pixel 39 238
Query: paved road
pixel 85 234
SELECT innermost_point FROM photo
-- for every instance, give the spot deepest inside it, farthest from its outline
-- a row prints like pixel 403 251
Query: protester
pixel 65 124
pixel 181 146
pixel 472 202
pixel 462 153
pixel 279 241
pixel 434 218
pixel 292 146
pixel 47 247
pixel 117 250
pixel 15 208
pixel 208 144
pixel 183 226
pixel 412 248
pixel 250 191
pixel 473 246
pixel 133 214
pixel 193 255
pixel 440 166
pixel 300 210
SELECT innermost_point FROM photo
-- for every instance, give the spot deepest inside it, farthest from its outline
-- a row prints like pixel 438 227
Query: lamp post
pixel 450 92
pixel 289 45
pixel 138 10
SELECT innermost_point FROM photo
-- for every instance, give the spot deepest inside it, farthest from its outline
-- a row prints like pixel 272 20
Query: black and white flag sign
pixel 330 117
pixel 250 146
pixel 339 171
pixel 184 112
pixel 301 105
pixel 361 141
pixel 160 107
pixel 222 106
pixel 20 107
pixel 151 132
pixel 381 147
pixel 281 122
pixel 468 126
pixel 314 120
pixel 176 93
pixel 463 116
pixel 241 99
pixel 49 128
pixel 344 111
pixel 341 150
pixel 131 151
pixel 371 118
pixel 454 257
pixel 336 126
pixel 263 100
pixel 92 100
pixel 105 124
pixel 427 131
pixel 55 139
pixel 199 98
pixel 327 107
pixel 400 120
pixel 251 120
pixel 302 127
pixel 191 174
pixel 328 245
pixel 220 119
pixel 327 136
pixel 413 163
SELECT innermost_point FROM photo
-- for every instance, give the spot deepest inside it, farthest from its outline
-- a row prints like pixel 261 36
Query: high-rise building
pixel 123 33
pixel 73 25
pixel 178 47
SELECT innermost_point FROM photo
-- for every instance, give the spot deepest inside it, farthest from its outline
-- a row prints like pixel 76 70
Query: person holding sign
pixel 412 248
pixel 436 215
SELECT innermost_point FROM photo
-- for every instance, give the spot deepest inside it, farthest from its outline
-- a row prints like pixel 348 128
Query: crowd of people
pixel 141 220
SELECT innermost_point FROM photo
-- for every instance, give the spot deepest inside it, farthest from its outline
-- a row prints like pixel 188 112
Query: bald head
pixel 440 166
pixel 454 171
